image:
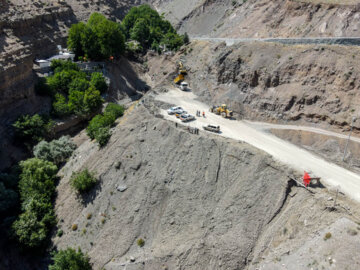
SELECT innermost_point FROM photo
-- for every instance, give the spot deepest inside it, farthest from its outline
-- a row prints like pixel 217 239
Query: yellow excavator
pixel 182 72
pixel 222 110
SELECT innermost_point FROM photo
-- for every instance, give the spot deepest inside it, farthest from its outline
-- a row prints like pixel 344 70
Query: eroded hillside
pixel 199 202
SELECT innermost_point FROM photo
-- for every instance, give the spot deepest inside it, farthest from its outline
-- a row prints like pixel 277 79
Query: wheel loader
pixel 182 72
pixel 222 110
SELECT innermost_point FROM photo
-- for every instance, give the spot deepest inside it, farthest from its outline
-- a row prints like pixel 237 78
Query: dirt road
pixel 299 159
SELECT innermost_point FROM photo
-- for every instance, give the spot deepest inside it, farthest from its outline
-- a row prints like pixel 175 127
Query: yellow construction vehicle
pixel 182 72
pixel 222 110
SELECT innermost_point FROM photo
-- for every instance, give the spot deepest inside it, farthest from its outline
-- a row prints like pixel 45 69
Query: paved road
pixel 285 152
pixel 309 40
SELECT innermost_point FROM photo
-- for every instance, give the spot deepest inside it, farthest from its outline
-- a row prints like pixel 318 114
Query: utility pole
pixel 347 143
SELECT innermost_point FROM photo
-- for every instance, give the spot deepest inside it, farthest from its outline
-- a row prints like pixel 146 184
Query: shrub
pixel 115 109
pixel 32 129
pixel 102 136
pixel 59 233
pixel 327 236
pixel 70 259
pixel 89 216
pixel 83 181
pixel 99 121
pixel 74 227
pixel 98 81
pixel 140 242
pixel 56 151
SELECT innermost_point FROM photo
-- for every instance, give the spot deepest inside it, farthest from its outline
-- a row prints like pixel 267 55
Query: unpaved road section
pixel 297 158
pixel 350 41
pixel 268 126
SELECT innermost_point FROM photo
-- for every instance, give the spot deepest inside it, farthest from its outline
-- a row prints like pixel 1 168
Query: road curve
pixel 351 41
pixel 283 151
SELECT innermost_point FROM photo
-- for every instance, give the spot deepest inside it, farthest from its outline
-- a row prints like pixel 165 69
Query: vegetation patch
pixel 140 242
pixel 32 129
pixel 36 187
pixel 327 236
pixel 70 259
pixel 83 181
pixel 99 126
pixel 56 151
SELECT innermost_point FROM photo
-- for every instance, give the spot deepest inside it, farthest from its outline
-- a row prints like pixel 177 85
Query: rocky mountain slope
pixel 267 81
pixel 211 203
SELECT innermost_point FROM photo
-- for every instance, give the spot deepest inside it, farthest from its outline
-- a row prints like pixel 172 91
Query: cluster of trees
pixel 98 39
pixel 99 126
pixel 73 91
pixel 36 188
pixel 151 30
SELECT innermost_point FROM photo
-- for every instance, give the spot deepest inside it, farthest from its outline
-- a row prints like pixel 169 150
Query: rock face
pixel 274 82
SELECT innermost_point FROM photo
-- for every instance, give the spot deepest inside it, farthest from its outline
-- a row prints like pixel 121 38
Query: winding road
pixel 283 151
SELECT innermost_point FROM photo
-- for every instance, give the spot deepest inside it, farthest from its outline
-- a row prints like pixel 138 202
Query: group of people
pixel 198 113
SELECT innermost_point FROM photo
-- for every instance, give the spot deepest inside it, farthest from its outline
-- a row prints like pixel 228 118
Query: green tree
pixel 60 82
pixel 99 121
pixel 140 31
pixel 114 109
pixel 60 106
pixel 79 84
pixel 90 44
pixel 36 179
pixel 98 81
pixel 59 65
pixel 172 41
pixel 70 259
pixel 32 129
pixel 83 103
pixel 75 39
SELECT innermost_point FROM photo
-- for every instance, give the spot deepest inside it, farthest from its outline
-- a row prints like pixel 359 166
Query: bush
pixel 99 121
pixel 60 81
pixel 32 129
pixel 56 151
pixel 69 259
pixel 114 109
pixel 140 242
pixel 327 236
pixel 98 81
pixel 102 136
pixel 83 181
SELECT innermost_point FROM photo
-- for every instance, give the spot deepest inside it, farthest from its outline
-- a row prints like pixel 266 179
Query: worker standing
pixel 203 114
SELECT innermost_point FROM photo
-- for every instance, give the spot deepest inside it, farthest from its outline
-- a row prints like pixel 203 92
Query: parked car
pixel 212 128
pixel 187 117
pixel 179 113
pixel 174 110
